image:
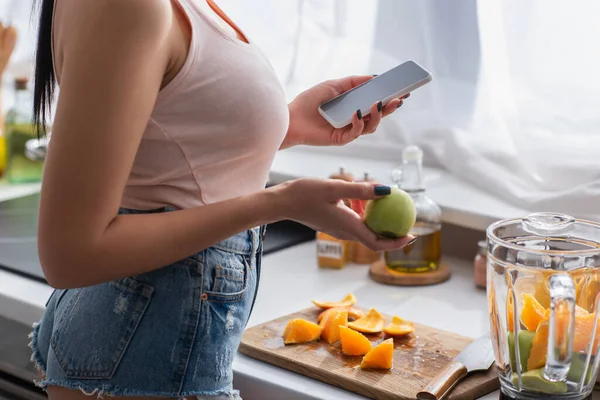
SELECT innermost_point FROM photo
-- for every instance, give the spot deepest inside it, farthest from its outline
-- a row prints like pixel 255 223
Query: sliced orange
pixel 330 325
pixel 353 312
pixel 299 330
pixel 584 327
pixel 380 356
pixel 399 327
pixel 354 343
pixel 510 316
pixel 532 312
pixel 539 348
pixel 373 322
pixel 579 312
pixel 347 301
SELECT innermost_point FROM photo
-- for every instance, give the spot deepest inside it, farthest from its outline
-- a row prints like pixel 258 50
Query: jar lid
pixel 545 239
pixel 412 154
pixel 482 247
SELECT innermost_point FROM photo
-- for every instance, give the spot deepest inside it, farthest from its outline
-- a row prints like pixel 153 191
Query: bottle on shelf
pixel 9 35
pixel 424 255
pixel 480 265
pixel 333 252
pixel 21 165
pixel 362 254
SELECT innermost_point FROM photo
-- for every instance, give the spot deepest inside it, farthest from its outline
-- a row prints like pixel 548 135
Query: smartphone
pixel 390 85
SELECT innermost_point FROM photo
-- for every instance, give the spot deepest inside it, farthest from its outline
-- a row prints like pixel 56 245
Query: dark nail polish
pixel 359 114
pixel 399 105
pixel 374 75
pixel 382 190
pixel 407 96
pixel 379 106
pixel 411 242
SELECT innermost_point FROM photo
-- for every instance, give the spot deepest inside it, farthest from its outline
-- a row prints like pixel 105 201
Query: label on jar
pixel 330 249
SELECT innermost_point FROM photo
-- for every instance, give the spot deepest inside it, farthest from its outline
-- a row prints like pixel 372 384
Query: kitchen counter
pixel 290 279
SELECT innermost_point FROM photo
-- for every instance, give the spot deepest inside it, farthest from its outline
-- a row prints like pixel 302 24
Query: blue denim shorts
pixel 171 332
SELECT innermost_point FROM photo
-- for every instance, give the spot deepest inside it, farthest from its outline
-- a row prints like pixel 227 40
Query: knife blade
pixel 477 356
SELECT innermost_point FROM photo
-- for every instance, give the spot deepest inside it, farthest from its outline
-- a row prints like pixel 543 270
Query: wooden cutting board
pixel 417 359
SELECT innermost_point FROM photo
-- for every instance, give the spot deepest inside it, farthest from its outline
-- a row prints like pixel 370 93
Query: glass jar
pixel 423 255
pixel 543 286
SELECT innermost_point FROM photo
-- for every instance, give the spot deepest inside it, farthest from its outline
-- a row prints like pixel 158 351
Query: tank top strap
pixel 216 18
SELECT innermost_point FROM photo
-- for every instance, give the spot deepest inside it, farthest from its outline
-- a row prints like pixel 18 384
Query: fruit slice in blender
pixel 373 322
pixel 354 343
pixel 299 330
pixel 534 380
pixel 584 326
pixel 532 312
pixel 578 365
pixel 399 327
pixel 539 348
pixel 347 301
pixel 525 345
pixel 510 314
pixel 380 357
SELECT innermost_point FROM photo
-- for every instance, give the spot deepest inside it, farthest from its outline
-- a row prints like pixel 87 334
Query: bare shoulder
pixel 94 19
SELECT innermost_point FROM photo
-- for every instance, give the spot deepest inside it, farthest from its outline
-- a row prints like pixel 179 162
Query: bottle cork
pixel 342 174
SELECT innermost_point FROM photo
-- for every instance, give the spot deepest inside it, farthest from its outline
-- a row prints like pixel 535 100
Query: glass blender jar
pixel 543 286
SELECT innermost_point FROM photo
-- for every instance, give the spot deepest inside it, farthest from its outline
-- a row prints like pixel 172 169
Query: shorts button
pixel 204 296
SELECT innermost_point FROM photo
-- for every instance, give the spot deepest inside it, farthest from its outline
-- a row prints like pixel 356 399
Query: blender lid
pixel 546 233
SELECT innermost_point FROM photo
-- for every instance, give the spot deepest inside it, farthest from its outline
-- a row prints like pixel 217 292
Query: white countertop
pixel 8 192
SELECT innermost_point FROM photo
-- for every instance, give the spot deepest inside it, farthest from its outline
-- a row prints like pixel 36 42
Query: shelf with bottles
pixel 24 153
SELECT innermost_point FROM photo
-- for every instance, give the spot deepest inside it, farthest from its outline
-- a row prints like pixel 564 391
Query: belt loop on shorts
pixel 255 241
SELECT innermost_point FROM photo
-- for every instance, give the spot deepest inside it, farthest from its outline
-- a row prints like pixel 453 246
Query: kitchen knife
pixel 477 356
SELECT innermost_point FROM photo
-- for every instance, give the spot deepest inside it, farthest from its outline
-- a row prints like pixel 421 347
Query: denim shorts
pixel 171 332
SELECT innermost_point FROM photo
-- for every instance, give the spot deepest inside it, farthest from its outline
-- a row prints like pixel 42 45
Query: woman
pixel 166 125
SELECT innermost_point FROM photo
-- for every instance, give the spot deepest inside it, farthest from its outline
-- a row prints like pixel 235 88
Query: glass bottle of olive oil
pixel 423 255
pixel 19 130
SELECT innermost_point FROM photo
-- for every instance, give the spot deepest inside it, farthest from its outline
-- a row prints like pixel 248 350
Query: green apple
pixel 534 380
pixel 391 216
pixel 577 367
pixel 525 344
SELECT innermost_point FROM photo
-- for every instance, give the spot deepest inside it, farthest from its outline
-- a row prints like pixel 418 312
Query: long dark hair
pixel 44 80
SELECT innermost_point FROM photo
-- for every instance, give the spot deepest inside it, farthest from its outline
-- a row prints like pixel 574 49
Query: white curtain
pixel 514 106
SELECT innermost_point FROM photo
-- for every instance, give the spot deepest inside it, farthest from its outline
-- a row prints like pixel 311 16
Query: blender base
pixel 538 396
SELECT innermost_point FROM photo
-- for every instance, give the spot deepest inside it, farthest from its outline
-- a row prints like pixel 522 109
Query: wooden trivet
pixel 380 273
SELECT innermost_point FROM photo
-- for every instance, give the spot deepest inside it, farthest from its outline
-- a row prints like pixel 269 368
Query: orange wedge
pixel 399 327
pixel 330 325
pixel 353 313
pixel 373 322
pixel 354 343
pixel 380 356
pixel 299 330
pixel 532 312
pixel 347 301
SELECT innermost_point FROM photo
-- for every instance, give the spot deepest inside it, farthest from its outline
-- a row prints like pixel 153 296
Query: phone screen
pixel 377 89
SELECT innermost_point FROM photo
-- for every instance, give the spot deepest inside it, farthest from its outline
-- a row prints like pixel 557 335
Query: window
pixel 513 107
